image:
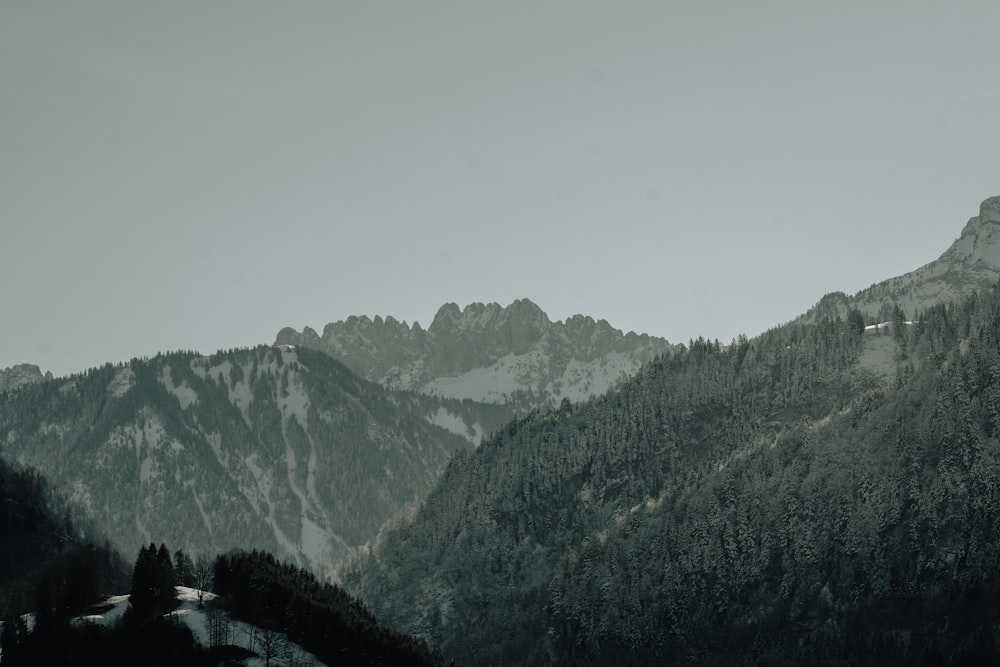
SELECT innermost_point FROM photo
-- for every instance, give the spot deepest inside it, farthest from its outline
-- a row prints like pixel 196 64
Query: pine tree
pixel 143 594
pixel 183 570
pixel 164 577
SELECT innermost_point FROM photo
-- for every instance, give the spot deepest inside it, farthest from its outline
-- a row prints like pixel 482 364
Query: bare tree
pixel 218 626
pixel 272 646
pixel 251 632
pixel 203 572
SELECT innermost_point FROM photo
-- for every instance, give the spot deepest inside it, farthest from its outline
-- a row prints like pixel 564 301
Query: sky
pixel 199 175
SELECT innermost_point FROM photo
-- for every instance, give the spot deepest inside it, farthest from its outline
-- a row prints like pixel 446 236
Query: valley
pixel 512 490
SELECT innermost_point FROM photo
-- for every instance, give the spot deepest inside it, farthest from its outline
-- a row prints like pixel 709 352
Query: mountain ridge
pixel 283 450
pixel 823 492
pixel 487 352
pixel 971 263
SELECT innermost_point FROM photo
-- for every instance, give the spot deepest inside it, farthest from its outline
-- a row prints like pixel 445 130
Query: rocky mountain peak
pixel 20 375
pixel 449 312
pixel 979 243
pixel 971 263
pixel 487 352
pixel 989 211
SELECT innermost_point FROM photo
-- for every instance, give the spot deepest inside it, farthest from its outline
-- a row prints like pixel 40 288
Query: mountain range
pixel 283 448
pixel 825 492
pixel 513 355
pixel 516 490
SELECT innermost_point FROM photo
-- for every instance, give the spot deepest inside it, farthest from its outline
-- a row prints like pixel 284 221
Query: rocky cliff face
pixel 971 263
pixel 281 450
pixel 20 375
pixel 487 352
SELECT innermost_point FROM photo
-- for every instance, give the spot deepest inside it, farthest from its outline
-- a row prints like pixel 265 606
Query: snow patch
pixel 146 470
pixel 264 486
pixel 527 372
pixel 452 423
pixel 193 612
pixel 582 380
pixel 207 520
pixel 296 402
pixel 185 394
pixel 315 542
pixel 314 539
pixel 123 380
pixel 491 384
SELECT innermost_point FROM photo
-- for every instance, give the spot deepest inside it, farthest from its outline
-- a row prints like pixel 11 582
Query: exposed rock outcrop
pixel 487 352
pixel 20 375
pixel 971 263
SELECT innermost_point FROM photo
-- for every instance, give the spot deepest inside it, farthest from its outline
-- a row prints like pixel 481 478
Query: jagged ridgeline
pixel 277 449
pixel 513 356
pixel 773 502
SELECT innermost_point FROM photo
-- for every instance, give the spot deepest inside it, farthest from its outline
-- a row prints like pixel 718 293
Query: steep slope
pixel 868 537
pixel 472 573
pixel 775 502
pixel 971 263
pixel 44 553
pixel 510 355
pixel 284 450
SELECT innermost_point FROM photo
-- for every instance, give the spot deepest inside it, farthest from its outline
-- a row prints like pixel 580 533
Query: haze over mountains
pixel 816 493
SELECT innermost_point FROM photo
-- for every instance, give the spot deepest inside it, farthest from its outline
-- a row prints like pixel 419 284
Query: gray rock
pixel 20 375
pixel 487 352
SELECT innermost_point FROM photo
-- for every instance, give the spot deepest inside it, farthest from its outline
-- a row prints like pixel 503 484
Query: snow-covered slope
pixel 281 450
pixel 510 355
pixel 194 610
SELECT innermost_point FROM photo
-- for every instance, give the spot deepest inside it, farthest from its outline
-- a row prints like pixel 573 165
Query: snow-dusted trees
pixel 772 502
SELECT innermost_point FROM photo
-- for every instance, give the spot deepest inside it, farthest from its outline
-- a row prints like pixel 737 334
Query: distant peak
pixel 525 306
pixel 989 211
pixel 476 310
pixel 447 312
pixel 20 375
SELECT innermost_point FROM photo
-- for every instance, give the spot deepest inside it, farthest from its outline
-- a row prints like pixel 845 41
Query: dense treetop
pixel 774 500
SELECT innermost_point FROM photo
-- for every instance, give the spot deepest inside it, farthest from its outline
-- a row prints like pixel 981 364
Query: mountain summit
pixel 970 264
pixel 486 352
pixel 20 375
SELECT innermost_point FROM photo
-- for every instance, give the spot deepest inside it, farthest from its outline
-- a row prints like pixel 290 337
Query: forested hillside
pixel 48 563
pixel 773 502
pixel 284 450
pixel 279 597
pixel 262 612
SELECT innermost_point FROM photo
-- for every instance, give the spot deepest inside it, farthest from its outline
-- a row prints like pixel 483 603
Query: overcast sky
pixel 198 175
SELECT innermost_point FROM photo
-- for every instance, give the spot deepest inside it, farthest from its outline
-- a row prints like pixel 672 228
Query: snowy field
pixel 199 620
